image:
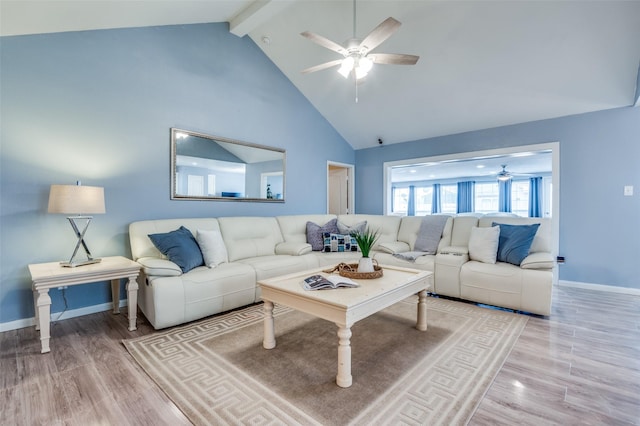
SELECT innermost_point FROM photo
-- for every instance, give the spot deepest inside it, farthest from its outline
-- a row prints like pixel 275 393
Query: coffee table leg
pixel 344 379
pixel 269 341
pixel 421 324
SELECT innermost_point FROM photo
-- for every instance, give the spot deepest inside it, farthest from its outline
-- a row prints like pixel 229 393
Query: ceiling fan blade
pixel 380 34
pixel 324 42
pixel 322 66
pixel 393 58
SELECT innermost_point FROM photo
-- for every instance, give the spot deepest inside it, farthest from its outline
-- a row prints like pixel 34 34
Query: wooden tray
pixel 350 270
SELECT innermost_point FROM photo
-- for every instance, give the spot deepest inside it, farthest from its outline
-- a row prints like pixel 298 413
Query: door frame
pixel 351 187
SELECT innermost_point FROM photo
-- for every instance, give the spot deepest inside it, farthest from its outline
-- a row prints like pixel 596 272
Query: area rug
pixel 217 372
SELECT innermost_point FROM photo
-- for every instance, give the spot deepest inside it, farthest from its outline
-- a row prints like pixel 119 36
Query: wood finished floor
pixel 580 366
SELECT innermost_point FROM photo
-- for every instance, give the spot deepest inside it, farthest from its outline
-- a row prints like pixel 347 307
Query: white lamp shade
pixel 76 199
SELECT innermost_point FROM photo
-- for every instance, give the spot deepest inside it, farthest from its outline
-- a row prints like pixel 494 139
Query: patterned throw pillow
pixel 315 233
pixel 339 243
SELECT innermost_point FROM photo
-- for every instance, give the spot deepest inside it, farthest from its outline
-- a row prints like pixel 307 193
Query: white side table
pixel 51 275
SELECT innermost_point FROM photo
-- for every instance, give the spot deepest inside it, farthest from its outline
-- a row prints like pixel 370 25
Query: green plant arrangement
pixel 366 239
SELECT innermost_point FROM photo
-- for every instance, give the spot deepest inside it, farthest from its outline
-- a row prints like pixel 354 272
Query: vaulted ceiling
pixel 482 63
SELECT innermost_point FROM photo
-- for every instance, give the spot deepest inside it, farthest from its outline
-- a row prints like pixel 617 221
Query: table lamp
pixel 77 201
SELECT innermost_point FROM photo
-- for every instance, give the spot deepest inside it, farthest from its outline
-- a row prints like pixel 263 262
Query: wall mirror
pixel 205 167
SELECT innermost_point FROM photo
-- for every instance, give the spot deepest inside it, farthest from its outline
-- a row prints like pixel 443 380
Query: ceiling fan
pixel 504 175
pixel 357 59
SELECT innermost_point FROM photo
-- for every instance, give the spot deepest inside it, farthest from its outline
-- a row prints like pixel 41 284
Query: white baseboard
pixel 600 287
pixel 31 322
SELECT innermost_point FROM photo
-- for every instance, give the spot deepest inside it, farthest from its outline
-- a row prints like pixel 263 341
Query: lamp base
pixel 74 263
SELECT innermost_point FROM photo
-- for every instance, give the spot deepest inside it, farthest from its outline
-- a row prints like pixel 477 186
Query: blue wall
pixel 97 106
pixel 599 155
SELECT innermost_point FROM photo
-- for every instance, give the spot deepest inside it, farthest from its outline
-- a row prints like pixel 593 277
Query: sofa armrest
pixel 540 260
pixel 394 247
pixel 159 267
pixel 455 250
pixel 293 248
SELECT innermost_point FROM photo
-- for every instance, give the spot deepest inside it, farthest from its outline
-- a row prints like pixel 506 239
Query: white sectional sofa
pixel 264 247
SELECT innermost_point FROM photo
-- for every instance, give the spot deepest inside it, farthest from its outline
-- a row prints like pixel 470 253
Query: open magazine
pixel 320 282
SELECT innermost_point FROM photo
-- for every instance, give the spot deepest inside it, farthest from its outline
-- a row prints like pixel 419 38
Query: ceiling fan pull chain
pixel 355 80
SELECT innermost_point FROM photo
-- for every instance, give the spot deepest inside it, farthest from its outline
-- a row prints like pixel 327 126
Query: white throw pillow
pixel 212 247
pixel 483 244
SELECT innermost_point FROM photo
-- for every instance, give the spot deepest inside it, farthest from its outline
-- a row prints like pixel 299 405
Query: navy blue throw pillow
pixel 515 242
pixel 180 247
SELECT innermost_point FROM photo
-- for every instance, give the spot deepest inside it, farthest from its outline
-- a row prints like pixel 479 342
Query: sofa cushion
pixel 483 244
pixel 426 262
pixel 515 242
pixel 180 247
pixel 461 230
pixel 294 227
pixel 292 248
pixel 339 243
pixel 214 252
pixel 538 261
pixel 354 229
pixel 499 284
pixel 247 237
pixel 159 267
pixel 315 233
pixel 394 247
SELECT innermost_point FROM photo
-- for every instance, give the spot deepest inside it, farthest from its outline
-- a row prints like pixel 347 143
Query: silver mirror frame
pixel 174 166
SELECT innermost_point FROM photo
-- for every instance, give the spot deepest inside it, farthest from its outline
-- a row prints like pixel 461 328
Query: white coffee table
pixel 344 306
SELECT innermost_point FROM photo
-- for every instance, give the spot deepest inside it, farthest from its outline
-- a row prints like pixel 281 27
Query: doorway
pixel 340 188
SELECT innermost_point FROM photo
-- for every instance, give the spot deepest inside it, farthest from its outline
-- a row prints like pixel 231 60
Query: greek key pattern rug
pixel 217 372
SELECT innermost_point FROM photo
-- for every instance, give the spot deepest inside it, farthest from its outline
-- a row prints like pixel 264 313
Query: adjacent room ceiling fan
pixel 506 175
pixel 357 59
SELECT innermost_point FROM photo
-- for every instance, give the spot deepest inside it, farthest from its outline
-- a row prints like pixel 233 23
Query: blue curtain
pixel 535 197
pixel 504 195
pixel 466 194
pixel 411 203
pixel 436 205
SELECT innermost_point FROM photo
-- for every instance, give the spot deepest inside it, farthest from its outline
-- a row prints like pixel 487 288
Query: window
pixel 424 198
pixel 520 197
pixel 449 194
pixel 400 201
pixel 486 200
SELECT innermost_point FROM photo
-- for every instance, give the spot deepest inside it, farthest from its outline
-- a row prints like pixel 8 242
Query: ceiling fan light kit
pixel 359 65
